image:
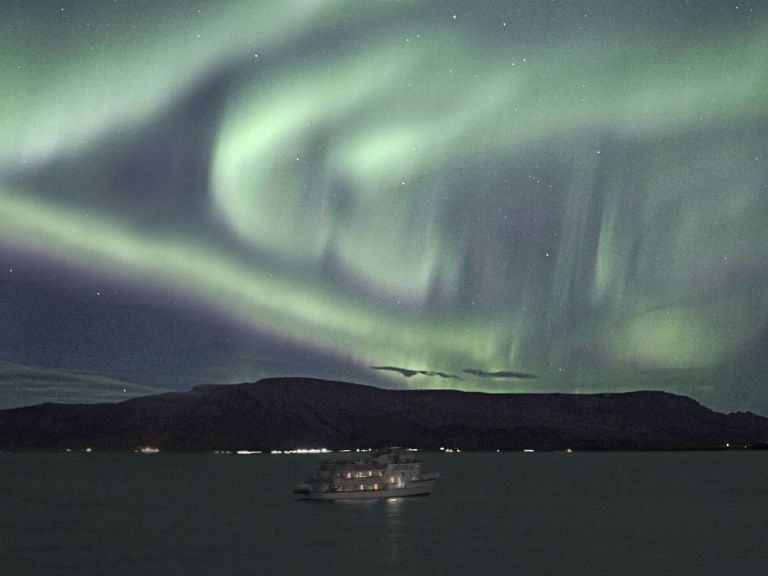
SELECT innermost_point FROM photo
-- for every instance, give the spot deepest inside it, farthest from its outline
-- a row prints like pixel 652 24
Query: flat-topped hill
pixel 301 412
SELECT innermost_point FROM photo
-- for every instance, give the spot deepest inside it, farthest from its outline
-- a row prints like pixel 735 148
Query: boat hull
pixel 421 488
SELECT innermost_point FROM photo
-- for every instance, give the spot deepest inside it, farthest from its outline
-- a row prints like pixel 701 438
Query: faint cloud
pixel 499 374
pixel 408 373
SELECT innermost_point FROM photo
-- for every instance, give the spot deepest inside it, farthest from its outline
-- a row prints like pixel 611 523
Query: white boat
pixel 393 473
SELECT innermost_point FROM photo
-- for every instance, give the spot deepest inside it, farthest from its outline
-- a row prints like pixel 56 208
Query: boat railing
pixel 429 476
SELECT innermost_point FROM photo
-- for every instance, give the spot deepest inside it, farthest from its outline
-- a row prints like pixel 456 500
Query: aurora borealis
pixel 215 192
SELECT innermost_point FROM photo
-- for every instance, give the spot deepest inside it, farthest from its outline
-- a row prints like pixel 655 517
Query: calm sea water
pixel 518 514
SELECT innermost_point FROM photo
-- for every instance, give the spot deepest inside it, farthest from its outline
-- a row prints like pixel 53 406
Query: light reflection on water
pixel 394 535
pixel 388 517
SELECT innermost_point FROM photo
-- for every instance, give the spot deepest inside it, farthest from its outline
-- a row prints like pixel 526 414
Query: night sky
pixel 493 195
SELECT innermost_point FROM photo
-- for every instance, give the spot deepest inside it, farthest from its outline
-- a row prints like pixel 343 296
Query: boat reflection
pixel 393 541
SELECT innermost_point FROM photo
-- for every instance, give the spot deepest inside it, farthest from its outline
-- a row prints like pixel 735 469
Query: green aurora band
pixel 421 195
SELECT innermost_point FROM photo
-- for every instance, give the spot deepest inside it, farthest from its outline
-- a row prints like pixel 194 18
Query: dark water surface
pixel 519 514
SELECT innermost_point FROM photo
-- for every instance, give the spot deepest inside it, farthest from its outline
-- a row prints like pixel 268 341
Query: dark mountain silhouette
pixel 299 412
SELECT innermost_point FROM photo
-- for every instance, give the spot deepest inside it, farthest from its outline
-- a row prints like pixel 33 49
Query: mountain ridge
pixel 282 413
